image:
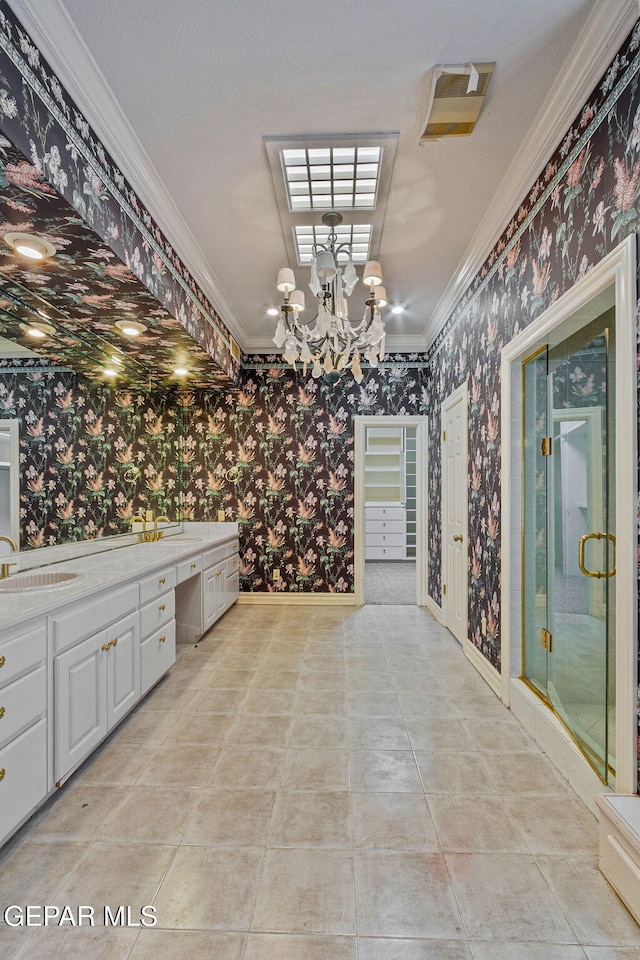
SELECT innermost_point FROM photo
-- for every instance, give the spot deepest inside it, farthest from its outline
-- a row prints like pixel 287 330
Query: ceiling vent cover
pixel 455 99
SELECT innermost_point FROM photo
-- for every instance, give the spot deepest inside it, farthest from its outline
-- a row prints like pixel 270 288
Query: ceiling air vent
pixel 455 99
pixel 235 349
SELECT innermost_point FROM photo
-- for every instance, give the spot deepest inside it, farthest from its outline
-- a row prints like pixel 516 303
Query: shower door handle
pixel 596 573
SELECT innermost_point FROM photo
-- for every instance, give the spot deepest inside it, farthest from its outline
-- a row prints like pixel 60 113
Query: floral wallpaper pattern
pixel 38 116
pixel 83 290
pixel 90 457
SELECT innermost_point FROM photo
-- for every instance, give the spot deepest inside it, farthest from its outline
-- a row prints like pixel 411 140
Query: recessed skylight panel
pixel 330 177
pixel 358 236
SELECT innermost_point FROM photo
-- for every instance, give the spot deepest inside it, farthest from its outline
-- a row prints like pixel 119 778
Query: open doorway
pixel 390 521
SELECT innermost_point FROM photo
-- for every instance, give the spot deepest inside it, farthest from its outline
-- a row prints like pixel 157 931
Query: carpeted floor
pixel 390 582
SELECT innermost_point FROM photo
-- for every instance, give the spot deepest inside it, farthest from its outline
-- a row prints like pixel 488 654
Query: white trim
pixel 604 31
pixel 486 670
pixel 297 599
pixel 618 271
pixel 13 426
pixel 434 609
pixel 461 395
pixel 360 423
pixel 394 344
pixel 58 39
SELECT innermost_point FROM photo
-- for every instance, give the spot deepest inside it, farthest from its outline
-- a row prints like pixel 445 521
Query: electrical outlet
pixel 220 516
pixel 276 574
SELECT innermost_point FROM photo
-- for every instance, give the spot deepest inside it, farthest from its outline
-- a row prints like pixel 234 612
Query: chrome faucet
pixel 4 567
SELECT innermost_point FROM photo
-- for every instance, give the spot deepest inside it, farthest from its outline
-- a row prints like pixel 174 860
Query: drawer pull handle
pixel 162 639
pixel 2 712
pixel 193 566
pixel 161 607
pixel 3 660
pixel 161 580
pixel 2 773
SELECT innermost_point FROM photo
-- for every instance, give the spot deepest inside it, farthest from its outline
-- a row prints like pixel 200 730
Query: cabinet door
pixel 80 689
pixel 213 593
pixel 23 776
pixel 123 668
pixel 157 654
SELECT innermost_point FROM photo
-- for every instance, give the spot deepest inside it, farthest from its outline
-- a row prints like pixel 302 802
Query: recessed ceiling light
pixel 130 328
pixel 38 330
pixel 110 372
pixel 35 248
pixel 397 309
pixel 272 311
pixel 180 371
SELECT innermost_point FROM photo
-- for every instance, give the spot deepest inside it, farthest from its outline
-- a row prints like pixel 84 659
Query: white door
pixel 454 513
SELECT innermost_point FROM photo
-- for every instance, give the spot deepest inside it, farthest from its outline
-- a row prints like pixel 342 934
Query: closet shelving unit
pixel 390 493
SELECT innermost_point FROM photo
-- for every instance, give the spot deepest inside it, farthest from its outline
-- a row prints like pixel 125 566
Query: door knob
pixel 457 538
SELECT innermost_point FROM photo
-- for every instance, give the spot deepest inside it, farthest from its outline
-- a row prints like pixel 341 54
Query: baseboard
pixel 434 609
pixel 298 599
pixel 484 668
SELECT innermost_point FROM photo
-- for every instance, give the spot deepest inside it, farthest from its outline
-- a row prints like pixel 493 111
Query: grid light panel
pixel 332 178
pixel 358 236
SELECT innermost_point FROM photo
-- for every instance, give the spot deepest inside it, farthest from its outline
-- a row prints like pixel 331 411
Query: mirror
pixel 9 480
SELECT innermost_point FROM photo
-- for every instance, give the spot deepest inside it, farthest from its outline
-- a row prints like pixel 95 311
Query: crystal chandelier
pixel 331 342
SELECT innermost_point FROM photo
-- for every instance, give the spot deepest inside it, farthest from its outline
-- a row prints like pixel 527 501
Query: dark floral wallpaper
pixel 40 119
pixel 90 457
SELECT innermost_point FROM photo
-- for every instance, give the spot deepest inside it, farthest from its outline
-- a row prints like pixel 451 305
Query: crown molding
pixel 62 46
pixel 606 28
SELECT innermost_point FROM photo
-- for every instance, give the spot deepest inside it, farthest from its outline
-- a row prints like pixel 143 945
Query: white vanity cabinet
pixel 96 681
pixel 218 592
pixel 157 627
pixel 23 724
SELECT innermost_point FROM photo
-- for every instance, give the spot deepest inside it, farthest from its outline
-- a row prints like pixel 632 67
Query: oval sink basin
pixel 37 581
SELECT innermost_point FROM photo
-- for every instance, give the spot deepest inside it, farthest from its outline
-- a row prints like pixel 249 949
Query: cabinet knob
pixel 114 643
pixel 161 607
pixel 162 639
pixel 106 646
pixel 458 538
pixel 193 566
pixel 3 660
pixel 161 580
pixel 2 773
pixel 2 712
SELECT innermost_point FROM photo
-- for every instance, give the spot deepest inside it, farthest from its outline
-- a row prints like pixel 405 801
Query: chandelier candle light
pixel 333 344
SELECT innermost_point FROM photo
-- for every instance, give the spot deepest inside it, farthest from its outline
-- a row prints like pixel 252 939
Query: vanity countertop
pixel 111 568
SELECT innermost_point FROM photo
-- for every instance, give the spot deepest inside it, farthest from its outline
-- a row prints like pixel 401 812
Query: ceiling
pixel 183 101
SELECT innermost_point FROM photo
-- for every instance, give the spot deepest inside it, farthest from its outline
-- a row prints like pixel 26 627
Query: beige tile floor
pixel 315 784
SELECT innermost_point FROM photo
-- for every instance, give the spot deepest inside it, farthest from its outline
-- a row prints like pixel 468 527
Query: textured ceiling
pixel 202 83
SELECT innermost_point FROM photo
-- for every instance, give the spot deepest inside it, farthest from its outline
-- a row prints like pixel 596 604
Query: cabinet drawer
pixel 385 539
pixel 385 526
pixel 23 768
pixel 22 652
pixel 384 553
pixel 232 565
pixel 188 568
pixel 385 513
pixel 83 619
pixel 232 547
pixel 22 702
pixel 154 614
pixel 157 655
pixel 213 556
pixel 159 583
pixel 233 588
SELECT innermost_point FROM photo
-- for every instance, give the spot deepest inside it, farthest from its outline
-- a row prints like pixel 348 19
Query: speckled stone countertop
pixel 106 570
